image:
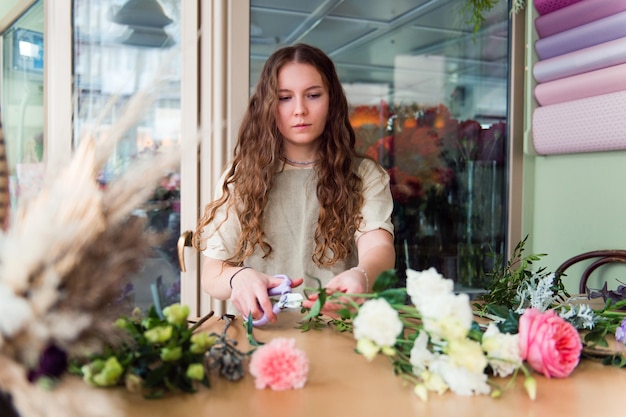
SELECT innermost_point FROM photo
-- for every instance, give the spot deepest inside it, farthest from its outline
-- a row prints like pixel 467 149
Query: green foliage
pixel 475 11
pixel 383 287
pixel 156 355
pixel 507 278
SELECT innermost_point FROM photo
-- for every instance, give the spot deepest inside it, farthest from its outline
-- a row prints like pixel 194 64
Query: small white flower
pixel 460 380
pixel 422 286
pixel 434 382
pixel 421 356
pixel 447 316
pixel 502 350
pixel 367 348
pixel 378 322
pixel 468 354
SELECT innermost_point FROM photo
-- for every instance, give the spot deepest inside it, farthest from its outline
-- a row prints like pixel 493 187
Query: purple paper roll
pixel 589 84
pixel 577 14
pixel 549 6
pixel 590 124
pixel 590 34
pixel 589 59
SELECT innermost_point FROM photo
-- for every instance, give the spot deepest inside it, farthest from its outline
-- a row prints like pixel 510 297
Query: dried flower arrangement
pixel 64 259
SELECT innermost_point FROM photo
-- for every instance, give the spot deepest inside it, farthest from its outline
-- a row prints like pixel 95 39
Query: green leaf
pixel 387 279
pixel 498 310
pixel 510 323
pixel 475 332
pixel 394 295
pixel 316 309
pixel 315 323
pixel 249 328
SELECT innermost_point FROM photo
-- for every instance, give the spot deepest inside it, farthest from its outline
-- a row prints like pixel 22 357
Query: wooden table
pixel 342 383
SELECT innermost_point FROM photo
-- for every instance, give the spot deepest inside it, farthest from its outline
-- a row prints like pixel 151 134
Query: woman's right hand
pixel 249 294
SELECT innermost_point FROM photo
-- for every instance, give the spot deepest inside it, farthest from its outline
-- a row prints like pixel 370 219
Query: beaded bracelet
pixel 367 278
pixel 233 276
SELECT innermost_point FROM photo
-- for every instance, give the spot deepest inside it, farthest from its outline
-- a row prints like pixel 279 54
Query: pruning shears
pixel 287 299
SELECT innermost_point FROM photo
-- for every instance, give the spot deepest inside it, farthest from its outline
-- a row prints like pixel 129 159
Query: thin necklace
pixel 300 162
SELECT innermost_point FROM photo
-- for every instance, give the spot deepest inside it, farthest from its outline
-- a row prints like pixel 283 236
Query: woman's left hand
pixel 349 282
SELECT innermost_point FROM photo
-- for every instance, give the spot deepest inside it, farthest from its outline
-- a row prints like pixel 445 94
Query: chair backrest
pixel 602 257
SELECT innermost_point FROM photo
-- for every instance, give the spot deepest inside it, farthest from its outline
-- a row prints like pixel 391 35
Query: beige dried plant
pixel 66 255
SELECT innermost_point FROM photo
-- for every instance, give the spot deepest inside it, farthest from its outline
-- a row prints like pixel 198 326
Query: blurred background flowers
pixel 447 181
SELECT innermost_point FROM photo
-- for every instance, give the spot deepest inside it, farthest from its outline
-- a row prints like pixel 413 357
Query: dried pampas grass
pixel 66 255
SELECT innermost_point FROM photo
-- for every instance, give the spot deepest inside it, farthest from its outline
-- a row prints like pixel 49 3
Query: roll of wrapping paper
pixel 590 124
pixel 577 14
pixel 549 6
pixel 594 33
pixel 589 84
pixel 589 59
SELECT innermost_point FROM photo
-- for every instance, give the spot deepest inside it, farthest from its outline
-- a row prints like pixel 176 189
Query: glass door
pixel 119 48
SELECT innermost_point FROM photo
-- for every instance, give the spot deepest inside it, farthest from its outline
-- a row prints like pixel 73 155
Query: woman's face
pixel 302 107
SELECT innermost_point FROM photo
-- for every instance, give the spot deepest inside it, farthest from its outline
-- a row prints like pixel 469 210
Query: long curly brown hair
pixel 257 158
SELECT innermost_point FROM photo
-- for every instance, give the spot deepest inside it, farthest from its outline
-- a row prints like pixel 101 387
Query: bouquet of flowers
pixel 438 341
pixel 161 354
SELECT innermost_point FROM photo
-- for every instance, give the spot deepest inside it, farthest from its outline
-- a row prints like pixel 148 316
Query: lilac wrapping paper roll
pixel 549 6
pixel 591 124
pixel 589 84
pixel 589 59
pixel 577 14
pixel 594 33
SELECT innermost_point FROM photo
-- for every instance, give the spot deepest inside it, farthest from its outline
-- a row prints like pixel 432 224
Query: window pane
pixel 121 47
pixel 429 102
pixel 22 103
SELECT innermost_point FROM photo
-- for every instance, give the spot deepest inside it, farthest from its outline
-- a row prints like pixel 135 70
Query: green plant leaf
pixel 387 279
pixel 394 295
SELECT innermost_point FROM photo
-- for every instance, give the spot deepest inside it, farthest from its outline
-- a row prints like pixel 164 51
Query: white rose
pixel 460 380
pixel 502 350
pixel 447 316
pixel 468 354
pixel 421 356
pixel 378 322
pixel 421 286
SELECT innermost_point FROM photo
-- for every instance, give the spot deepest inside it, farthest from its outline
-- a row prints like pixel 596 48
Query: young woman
pixel 296 199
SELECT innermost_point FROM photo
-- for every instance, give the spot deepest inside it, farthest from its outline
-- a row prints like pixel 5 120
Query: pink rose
pixel 548 343
pixel 279 365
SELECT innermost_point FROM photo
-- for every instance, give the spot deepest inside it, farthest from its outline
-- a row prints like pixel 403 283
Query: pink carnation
pixel 279 365
pixel 548 343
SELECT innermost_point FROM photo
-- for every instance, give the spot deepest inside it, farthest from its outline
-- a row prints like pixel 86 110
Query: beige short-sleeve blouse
pixel 290 219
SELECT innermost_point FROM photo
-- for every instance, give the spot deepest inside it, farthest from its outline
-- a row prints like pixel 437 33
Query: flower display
pixel 446 178
pixel 439 341
pixel 279 365
pixel 154 356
